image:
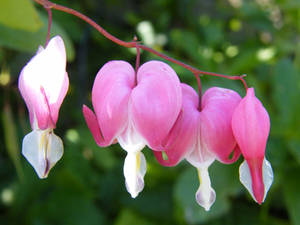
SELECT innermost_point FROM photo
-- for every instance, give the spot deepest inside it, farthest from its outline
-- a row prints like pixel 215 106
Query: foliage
pixel 259 38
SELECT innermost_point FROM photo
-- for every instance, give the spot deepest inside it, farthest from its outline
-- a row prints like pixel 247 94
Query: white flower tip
pixel 134 171
pixel 40 49
pixel 205 195
pixel 135 189
pixel 246 180
pixel 42 149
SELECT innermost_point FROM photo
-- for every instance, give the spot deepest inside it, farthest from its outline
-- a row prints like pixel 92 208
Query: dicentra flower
pixel 134 108
pixel 251 127
pixel 203 134
pixel 43 84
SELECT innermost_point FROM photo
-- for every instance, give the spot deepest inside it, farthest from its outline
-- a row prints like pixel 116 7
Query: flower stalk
pixel 48 5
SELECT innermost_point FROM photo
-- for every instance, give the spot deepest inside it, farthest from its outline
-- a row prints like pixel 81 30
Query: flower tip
pixel 205 198
pixel 257 181
pixel 205 195
pixel 134 189
pixel 42 149
pixel 134 194
pixel 258 191
pixel 134 171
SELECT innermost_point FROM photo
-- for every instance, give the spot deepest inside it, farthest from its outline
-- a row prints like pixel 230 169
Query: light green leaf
pixel 19 14
pixel 30 41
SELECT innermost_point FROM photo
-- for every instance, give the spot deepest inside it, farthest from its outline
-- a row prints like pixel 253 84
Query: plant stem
pixel 134 44
pixel 199 91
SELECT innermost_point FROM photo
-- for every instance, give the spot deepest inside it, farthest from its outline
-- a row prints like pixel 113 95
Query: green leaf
pixel 74 209
pixel 103 157
pixel 19 14
pixel 285 94
pixel 294 148
pixel 188 45
pixel 11 139
pixel 30 41
pixel 291 185
pixel 128 217
pixel 224 181
pixel 245 62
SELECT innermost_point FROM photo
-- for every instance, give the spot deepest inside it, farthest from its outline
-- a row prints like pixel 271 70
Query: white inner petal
pixel 245 177
pixel 200 156
pixel 135 163
pixel 130 140
pixel 134 171
pixel 42 149
pixel 205 195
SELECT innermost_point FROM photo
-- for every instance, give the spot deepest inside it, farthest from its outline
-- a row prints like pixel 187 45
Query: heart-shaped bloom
pixel 135 109
pixel 251 126
pixel 202 135
pixel 43 84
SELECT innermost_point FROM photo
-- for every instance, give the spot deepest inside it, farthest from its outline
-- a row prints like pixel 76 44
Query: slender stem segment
pixel 134 44
pixel 138 54
pixel 199 91
pixel 137 61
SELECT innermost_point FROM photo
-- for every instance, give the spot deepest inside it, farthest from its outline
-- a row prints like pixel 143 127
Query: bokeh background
pixel 257 37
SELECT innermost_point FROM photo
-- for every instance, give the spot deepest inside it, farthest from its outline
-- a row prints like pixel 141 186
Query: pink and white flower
pixel 202 134
pixel 43 84
pixel 251 127
pixel 134 108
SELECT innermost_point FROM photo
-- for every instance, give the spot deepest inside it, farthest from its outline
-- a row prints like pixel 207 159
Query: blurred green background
pixel 256 37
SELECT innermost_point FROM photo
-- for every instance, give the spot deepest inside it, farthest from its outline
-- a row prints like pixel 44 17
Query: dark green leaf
pixel 30 41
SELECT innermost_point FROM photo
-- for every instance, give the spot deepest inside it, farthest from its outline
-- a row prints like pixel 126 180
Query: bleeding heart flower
pixel 251 126
pixel 135 109
pixel 43 84
pixel 202 135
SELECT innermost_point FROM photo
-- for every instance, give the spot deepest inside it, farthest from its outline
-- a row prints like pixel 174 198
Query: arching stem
pixel 133 44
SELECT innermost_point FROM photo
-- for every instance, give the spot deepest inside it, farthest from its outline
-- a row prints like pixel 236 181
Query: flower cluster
pixel 149 107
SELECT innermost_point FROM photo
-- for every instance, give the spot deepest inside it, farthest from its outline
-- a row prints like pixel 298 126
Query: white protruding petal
pixel 130 140
pixel 245 177
pixel 205 195
pixel 42 149
pixel 134 171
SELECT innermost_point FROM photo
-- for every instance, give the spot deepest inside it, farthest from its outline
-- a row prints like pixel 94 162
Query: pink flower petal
pixel 110 96
pixel 251 125
pixel 155 102
pixel 93 125
pixel 216 134
pixel 43 83
pixel 183 135
pixel 54 107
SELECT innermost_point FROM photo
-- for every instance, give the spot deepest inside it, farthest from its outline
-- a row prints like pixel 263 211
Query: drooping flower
pixel 251 126
pixel 43 84
pixel 135 109
pixel 201 135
